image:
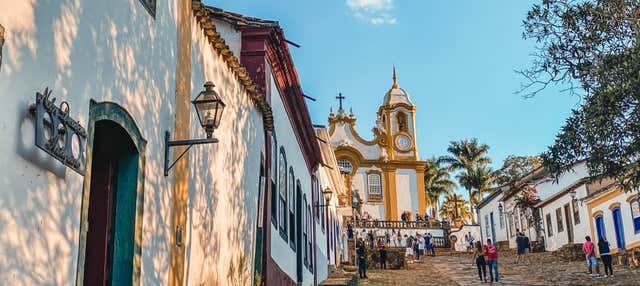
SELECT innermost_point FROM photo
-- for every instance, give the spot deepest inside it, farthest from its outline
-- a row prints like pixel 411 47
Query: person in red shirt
pixel 491 253
pixel 589 250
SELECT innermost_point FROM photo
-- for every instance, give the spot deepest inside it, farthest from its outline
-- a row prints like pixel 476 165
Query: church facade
pixel 385 173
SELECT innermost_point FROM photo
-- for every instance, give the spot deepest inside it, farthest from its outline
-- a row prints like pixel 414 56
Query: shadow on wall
pixel 83 50
pixel 224 180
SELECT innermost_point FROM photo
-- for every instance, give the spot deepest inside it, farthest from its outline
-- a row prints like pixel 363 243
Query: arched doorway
pixel 111 226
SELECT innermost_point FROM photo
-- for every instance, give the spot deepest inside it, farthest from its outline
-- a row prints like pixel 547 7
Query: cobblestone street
pixel 458 270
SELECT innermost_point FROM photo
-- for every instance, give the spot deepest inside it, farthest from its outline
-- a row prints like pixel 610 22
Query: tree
pixel 514 167
pixel 466 156
pixel 479 180
pixel 593 46
pixel 437 182
pixel 454 208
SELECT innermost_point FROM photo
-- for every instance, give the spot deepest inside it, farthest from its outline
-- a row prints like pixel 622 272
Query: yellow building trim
pixel 598 213
pixel 614 205
pixel 391 198
pixel 633 245
pixel 180 186
pixel 631 197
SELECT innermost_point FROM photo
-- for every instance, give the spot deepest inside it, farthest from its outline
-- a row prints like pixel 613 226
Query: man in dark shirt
pixel 361 252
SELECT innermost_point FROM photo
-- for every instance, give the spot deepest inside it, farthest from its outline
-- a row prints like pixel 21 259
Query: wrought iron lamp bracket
pixel 168 143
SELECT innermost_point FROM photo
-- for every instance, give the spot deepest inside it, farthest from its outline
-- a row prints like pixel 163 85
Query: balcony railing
pixel 401 224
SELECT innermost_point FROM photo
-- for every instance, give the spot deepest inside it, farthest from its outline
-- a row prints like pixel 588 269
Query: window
pixel 402 121
pixel 501 218
pixel 304 230
pixel 511 223
pixel 559 220
pixel 150 5
pixel 309 240
pixel 292 210
pixel 282 191
pixel 274 191
pixel 345 166
pixel 315 189
pixel 635 214
pixel 374 182
pixel 576 211
pixel 486 226
pixel 549 225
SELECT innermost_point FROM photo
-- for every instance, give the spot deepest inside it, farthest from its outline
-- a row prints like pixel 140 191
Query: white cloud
pixel 373 11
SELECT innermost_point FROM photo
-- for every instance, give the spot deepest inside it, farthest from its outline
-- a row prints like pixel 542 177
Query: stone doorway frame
pixel 113 112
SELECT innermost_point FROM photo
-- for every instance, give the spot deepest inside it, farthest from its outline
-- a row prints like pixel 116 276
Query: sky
pixel 457 59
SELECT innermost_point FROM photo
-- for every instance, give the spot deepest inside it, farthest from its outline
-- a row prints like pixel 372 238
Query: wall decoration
pixel 57 133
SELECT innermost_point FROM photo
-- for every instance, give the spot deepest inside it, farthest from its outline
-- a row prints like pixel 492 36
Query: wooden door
pixel 568 222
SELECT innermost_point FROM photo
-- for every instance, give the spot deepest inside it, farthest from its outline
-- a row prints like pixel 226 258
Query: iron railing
pixel 401 224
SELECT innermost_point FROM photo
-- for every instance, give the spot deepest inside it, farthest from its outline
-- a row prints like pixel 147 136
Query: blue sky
pixel 455 58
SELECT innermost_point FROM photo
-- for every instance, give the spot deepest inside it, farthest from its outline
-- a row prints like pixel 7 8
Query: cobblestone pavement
pixel 458 270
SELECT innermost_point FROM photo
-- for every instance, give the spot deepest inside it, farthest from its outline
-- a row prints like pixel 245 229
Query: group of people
pixel 417 246
pixel 406 216
pixel 486 256
pixel 589 249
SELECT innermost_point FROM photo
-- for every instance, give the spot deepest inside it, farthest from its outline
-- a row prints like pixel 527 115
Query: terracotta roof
pixel 205 21
pixel 239 20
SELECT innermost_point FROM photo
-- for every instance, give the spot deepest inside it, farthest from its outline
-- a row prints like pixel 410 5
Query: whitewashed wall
pixel 343 135
pixel 223 178
pixel 559 239
pixel 102 50
pixel 499 220
pixel 281 253
pixel 407 192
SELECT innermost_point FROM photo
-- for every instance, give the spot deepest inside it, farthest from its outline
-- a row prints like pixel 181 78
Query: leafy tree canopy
pixel 515 166
pixel 593 46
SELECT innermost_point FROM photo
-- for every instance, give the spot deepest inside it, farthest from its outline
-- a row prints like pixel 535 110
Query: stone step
pixel 337 282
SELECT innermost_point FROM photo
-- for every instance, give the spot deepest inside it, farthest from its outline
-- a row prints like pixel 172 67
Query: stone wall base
pixel 395 258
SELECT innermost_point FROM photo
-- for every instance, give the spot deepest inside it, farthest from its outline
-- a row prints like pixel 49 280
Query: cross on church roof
pixel 340 98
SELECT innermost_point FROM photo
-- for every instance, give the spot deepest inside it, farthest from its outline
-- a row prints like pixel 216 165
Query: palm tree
pixel 466 156
pixel 454 209
pixel 437 182
pixel 479 180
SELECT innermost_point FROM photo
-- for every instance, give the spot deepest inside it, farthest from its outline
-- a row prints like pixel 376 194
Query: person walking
pixel 408 244
pixel 491 253
pixel 387 238
pixel 527 248
pixel 429 245
pixel 349 231
pixel 421 245
pixel 481 263
pixel 589 250
pixel 383 256
pixel 471 241
pixel 605 255
pixel 519 246
pixel 361 251
pixel 399 239
pixel 416 247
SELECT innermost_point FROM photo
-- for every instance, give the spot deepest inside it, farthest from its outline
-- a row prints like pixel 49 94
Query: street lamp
pixel 209 107
pixel 327 194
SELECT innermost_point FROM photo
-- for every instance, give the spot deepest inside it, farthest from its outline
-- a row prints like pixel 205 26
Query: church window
pixel 345 166
pixel 402 121
pixel 559 220
pixel 374 182
pixel 150 5
pixel 292 208
pixel 635 214
pixel 282 191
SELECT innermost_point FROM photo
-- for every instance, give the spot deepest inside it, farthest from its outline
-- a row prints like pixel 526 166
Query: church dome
pixel 396 94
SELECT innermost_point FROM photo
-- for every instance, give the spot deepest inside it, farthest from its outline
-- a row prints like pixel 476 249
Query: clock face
pixel 403 142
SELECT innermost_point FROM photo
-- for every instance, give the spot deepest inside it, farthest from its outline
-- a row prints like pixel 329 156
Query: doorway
pixel 109 251
pixel 617 223
pixel 600 227
pixel 112 203
pixel 567 219
pixel 493 228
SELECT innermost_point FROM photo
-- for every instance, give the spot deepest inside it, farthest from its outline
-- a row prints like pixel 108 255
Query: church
pixel 386 173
